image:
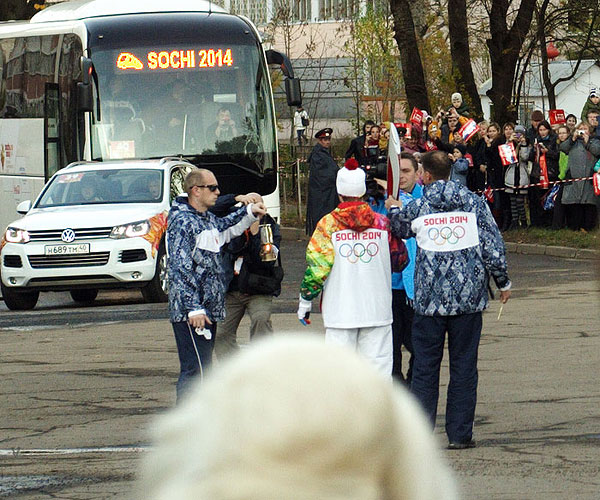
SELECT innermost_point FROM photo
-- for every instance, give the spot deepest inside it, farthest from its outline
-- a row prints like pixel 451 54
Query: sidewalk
pixel 523 248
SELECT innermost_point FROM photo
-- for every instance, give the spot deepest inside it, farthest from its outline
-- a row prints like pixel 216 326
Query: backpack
pixel 305 121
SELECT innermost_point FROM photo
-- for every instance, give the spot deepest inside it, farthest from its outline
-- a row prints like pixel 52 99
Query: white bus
pixel 101 80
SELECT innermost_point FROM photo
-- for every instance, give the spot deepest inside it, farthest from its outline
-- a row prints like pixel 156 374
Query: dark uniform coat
pixel 322 194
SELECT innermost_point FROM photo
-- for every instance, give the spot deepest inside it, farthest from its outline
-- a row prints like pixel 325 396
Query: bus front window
pixel 209 101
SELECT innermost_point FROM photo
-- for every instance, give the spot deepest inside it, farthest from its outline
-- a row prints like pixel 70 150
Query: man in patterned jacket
pixel 458 244
pixel 350 257
pixel 195 275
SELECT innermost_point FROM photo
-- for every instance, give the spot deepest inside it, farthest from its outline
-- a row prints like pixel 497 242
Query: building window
pixel 301 10
pixel 255 10
pixel 338 9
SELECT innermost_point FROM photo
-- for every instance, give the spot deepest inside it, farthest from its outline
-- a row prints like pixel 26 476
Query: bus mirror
pixel 293 92
pixel 24 207
pixel 85 101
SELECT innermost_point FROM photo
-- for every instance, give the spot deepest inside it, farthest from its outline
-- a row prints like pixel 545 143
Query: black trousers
pixel 539 217
pixel 195 354
pixel 403 315
pixel 581 216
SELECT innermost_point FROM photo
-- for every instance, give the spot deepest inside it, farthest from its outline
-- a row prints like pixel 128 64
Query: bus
pixel 99 80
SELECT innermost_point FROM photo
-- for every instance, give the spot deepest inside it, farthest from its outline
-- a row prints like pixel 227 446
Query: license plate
pixel 67 249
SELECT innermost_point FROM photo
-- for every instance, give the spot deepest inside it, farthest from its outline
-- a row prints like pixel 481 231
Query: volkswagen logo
pixel 68 235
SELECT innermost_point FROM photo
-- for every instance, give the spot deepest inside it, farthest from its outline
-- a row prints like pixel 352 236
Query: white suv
pixel 94 225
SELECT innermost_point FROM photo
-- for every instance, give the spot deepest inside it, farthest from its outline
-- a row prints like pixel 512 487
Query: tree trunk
pixel 504 46
pixel 462 72
pixel 412 67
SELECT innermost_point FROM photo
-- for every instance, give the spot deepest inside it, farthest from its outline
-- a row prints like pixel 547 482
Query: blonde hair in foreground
pixel 294 418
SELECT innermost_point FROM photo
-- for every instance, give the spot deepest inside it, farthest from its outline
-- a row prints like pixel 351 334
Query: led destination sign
pixel 176 59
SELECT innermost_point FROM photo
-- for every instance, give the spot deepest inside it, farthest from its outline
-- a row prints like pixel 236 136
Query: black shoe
pixel 462 446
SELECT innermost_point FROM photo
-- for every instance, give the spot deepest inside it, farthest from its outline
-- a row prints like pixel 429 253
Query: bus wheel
pixel 84 296
pixel 156 289
pixel 19 301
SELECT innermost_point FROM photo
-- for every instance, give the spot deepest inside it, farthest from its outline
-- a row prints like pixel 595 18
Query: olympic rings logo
pixel 359 251
pixel 446 235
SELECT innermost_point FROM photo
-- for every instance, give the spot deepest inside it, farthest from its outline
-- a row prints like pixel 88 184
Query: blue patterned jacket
pixel 195 272
pixel 458 244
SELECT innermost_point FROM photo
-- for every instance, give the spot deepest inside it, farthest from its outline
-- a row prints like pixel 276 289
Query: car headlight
pixel 15 235
pixel 139 228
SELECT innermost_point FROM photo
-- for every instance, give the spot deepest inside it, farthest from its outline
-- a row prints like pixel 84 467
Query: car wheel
pixel 156 289
pixel 19 301
pixel 84 296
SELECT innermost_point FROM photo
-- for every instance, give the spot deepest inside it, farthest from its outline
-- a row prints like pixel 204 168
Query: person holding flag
pixel 544 155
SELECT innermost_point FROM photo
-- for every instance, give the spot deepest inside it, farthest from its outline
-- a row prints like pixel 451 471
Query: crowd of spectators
pixel 518 167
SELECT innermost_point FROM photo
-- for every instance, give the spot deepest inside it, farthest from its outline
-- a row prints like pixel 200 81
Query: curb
pixel 295 233
pixel 552 251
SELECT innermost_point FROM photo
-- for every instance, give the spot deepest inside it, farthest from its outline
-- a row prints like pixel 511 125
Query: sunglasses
pixel 211 187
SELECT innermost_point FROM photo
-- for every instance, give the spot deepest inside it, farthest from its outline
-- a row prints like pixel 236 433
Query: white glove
pixel 304 308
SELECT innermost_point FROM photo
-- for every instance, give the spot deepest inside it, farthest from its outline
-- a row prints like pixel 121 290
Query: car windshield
pixel 103 187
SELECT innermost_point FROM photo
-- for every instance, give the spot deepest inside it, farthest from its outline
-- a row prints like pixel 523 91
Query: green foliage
pixel 376 70
pixel 553 237
pixel 438 70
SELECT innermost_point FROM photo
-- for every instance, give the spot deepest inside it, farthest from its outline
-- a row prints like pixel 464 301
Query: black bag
pixel 261 282
pixel 305 121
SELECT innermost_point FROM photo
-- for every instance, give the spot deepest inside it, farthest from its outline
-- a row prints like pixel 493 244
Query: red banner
pixel 489 194
pixel 405 126
pixel 544 172
pixel 557 116
pixel 597 183
pixel 416 116
pixel 508 154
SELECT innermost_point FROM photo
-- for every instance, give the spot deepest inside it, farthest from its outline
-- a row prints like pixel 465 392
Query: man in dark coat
pixel 322 194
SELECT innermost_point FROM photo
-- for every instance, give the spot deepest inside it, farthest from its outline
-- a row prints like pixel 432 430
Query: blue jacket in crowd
pixel 406 279
pixel 194 239
pixel 459 171
pixel 458 243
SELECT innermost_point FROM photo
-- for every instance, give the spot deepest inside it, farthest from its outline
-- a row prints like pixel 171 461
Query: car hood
pixel 78 216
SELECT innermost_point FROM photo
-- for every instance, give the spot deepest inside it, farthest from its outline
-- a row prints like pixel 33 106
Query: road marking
pixel 71 451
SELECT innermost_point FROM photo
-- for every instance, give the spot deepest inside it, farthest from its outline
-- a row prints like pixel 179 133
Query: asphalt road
pixel 57 308
pixel 77 399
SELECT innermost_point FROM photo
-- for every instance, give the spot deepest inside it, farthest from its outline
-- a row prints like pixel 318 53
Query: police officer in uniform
pixel 322 194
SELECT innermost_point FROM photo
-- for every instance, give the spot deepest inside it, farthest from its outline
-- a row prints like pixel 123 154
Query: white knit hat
pixel 351 180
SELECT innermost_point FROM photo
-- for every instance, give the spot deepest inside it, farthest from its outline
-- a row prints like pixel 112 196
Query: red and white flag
pixel 508 154
pixel 468 130
pixel 416 116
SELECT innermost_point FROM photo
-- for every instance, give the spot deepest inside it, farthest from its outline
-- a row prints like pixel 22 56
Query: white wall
pixel 573 98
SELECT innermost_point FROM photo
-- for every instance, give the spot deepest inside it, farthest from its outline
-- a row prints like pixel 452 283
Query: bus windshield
pixel 199 99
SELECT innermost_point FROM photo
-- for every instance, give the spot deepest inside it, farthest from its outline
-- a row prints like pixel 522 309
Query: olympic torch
pixel 267 251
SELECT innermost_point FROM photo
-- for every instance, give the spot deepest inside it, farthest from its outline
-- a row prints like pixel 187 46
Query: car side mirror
pixel 24 207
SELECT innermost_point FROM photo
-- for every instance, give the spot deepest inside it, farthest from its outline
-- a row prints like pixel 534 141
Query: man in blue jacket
pixel 403 290
pixel 458 244
pixel 195 273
